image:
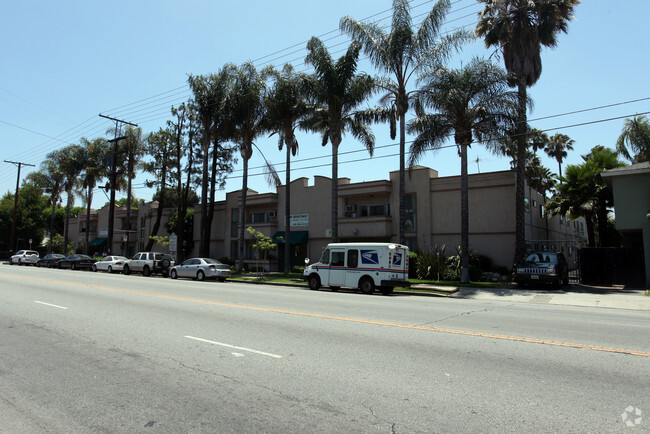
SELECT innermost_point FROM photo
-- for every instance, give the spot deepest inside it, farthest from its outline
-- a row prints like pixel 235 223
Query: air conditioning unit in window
pixel 272 214
pixel 350 208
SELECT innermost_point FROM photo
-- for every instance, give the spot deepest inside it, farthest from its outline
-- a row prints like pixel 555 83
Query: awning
pixel 98 242
pixel 297 237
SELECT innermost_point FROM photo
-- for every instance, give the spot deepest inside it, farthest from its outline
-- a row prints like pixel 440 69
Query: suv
pixel 24 257
pixel 149 262
pixel 543 267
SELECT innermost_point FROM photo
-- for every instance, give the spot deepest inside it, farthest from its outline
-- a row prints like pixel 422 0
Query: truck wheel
pixel 367 286
pixel 314 282
pixel 126 270
pixel 146 272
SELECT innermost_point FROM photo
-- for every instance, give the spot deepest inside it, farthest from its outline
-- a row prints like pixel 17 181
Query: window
pixel 353 258
pixel 234 219
pixel 410 212
pixel 234 250
pixel 259 217
pixel 542 211
pixel 338 259
pixel 373 210
pixel 325 258
pixel 527 204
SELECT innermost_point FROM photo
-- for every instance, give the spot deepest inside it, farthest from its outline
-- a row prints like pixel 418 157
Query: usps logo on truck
pixel 370 257
pixel 397 259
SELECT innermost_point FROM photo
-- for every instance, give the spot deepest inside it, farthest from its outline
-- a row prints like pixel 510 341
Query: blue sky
pixel 67 61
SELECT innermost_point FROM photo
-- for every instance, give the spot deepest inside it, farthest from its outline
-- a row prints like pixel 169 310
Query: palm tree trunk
pixel 242 216
pixel 67 221
pixel 520 212
pixel 203 249
pixel 54 200
pixel 335 190
pixel 210 216
pixel 89 200
pixel 129 198
pixel 464 216
pixel 287 214
pixel 402 179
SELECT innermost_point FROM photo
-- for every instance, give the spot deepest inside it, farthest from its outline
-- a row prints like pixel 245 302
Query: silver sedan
pixel 110 264
pixel 201 269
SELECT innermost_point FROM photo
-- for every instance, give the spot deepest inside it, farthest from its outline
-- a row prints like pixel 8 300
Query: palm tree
pixel 338 90
pixel 50 178
pixel 94 170
pixel 471 103
pixel 557 148
pixel 520 28
pixel 402 52
pixel 635 136
pixel 133 148
pixel 71 160
pixel 286 105
pixel 210 106
pixel 248 117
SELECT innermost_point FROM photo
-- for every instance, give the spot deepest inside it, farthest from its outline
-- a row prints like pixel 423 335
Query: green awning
pixel 98 242
pixel 297 237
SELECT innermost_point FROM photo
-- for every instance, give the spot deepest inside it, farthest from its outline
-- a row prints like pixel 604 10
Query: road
pixel 92 352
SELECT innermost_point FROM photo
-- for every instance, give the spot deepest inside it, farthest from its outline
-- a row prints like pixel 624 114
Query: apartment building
pixel 368 211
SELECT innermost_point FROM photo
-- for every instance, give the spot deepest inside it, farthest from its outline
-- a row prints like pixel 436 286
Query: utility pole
pixel 111 206
pixel 12 241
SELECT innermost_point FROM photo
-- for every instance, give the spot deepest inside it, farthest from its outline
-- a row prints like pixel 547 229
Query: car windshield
pixel 539 258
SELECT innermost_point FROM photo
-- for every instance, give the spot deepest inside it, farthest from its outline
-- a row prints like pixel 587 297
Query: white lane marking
pixel 234 347
pixel 51 305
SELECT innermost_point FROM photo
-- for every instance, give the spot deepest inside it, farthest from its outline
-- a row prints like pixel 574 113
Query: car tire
pixel 314 282
pixel 58 264
pixel 200 276
pixel 367 286
pixel 73 266
pixel 146 272
pixel 38 265
pixel 126 270
pixel 173 274
pixel 166 263
pixel 49 265
pixel 94 268
pixel 109 270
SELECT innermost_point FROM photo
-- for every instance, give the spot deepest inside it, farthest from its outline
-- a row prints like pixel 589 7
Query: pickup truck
pixel 148 263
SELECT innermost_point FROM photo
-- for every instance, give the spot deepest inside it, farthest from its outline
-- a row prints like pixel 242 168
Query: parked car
pixel 543 267
pixel 201 269
pixel 110 264
pixel 148 263
pixel 76 262
pixel 24 257
pixel 50 260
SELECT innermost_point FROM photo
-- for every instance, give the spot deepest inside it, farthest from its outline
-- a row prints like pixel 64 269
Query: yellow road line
pixel 348 319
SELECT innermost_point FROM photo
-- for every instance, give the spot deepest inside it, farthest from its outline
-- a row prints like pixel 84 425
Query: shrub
pixel 298 270
pixel 431 264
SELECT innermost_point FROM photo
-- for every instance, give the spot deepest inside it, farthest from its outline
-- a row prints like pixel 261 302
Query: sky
pixel 68 61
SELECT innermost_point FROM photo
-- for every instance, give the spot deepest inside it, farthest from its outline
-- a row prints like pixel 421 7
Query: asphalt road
pixel 91 352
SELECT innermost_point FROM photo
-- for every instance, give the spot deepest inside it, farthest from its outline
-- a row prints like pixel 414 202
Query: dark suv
pixel 543 267
pixel 148 263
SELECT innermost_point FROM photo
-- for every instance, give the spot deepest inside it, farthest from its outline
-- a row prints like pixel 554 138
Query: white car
pixel 110 264
pixel 201 269
pixel 24 257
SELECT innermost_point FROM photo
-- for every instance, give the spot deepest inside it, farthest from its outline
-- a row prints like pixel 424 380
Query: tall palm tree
pixel 50 178
pixel 402 52
pixel 338 90
pixel 469 103
pixel 520 28
pixel 71 160
pixel 133 148
pixel 557 147
pixel 210 106
pixel 248 117
pixel 286 105
pixel 94 170
pixel 635 136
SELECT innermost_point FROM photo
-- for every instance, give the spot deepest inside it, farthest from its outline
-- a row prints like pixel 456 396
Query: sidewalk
pixel 575 295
